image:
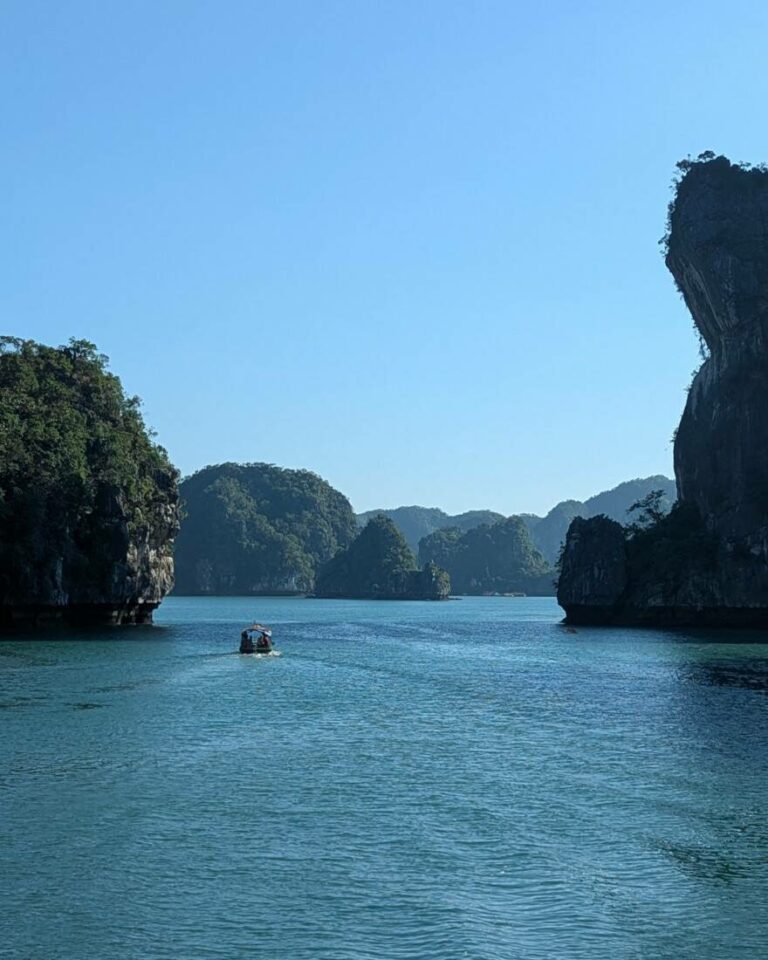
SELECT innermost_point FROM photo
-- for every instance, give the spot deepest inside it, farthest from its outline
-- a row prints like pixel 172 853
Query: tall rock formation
pixel 707 562
pixel 88 502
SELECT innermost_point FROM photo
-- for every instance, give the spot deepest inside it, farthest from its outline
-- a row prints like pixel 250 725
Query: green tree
pixel 650 510
pixel 491 558
pixel 88 502
pixel 255 528
pixel 379 564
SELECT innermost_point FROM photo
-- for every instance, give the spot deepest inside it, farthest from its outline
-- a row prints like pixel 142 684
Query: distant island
pixel 379 565
pixel 548 532
pixel 491 558
pixel 705 561
pixel 88 501
pixel 91 506
pixel 257 529
pixel 415 523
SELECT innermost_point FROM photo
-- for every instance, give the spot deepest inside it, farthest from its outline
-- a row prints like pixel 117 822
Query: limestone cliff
pixel 88 502
pixel 708 562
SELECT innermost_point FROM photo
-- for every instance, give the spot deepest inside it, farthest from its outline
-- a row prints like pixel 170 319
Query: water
pixel 457 780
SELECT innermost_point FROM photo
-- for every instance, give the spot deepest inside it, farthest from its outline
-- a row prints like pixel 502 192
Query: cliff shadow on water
pixel 706 563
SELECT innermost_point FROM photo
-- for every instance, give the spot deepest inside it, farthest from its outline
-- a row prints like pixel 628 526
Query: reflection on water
pixel 752 675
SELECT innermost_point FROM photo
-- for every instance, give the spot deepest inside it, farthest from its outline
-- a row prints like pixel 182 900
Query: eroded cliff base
pixel 677 573
pixel 32 616
pixel 669 616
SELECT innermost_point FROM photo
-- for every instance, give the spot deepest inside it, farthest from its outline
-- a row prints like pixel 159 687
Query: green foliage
pixel 549 533
pixel 256 528
pixel 671 547
pixel 79 475
pixel 417 522
pixel 491 558
pixel 379 565
pixel 650 509
pixel 434 582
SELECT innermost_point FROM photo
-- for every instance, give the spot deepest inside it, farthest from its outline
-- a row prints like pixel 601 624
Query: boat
pixel 263 646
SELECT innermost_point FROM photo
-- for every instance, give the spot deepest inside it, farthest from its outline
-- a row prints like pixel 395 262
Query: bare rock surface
pixel 708 562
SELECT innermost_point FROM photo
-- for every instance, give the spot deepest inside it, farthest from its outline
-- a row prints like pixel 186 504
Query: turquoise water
pixel 456 780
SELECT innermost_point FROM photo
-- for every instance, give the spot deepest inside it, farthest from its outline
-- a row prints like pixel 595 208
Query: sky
pixel 409 245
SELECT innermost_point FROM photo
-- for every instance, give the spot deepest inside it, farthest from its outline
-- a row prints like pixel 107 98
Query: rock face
pixel 549 532
pixel 88 503
pixel 594 570
pixel 708 562
pixel 718 255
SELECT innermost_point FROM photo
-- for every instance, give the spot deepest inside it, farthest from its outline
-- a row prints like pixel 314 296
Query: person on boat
pixel 263 644
pixel 246 642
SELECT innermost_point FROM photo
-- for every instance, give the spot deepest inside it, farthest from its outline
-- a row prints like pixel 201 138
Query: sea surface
pixel 408 781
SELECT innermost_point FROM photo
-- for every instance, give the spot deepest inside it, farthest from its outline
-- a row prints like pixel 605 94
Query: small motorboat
pixel 262 647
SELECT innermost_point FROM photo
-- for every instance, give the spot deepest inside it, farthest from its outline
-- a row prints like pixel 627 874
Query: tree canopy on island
pixel 380 565
pixel 491 558
pixel 80 476
pixel 255 528
pixel 415 523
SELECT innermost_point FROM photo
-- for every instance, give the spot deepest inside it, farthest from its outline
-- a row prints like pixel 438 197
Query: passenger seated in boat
pixel 246 642
pixel 262 644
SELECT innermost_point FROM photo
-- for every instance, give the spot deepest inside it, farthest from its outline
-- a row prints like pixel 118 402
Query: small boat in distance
pixel 263 645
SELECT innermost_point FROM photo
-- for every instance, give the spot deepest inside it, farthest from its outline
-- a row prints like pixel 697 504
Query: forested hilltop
pixel 88 502
pixel 417 522
pixel 379 565
pixel 255 528
pixel 548 532
pixel 491 558
pixel 261 529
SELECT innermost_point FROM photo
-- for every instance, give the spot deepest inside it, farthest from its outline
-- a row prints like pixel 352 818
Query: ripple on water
pixel 382 791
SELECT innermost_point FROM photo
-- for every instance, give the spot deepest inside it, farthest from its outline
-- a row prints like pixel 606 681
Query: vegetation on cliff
pixel 379 565
pixel 549 532
pixel 670 548
pixel 256 528
pixel 491 558
pixel 88 501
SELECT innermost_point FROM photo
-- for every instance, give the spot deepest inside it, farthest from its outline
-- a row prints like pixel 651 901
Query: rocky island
pixel 379 565
pixel 255 529
pixel 707 561
pixel 88 502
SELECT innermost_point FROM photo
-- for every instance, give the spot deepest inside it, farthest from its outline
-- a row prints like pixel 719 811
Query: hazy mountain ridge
pixel 417 522
pixel 547 532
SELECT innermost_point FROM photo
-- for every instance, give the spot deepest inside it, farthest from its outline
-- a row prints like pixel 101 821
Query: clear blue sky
pixel 409 245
